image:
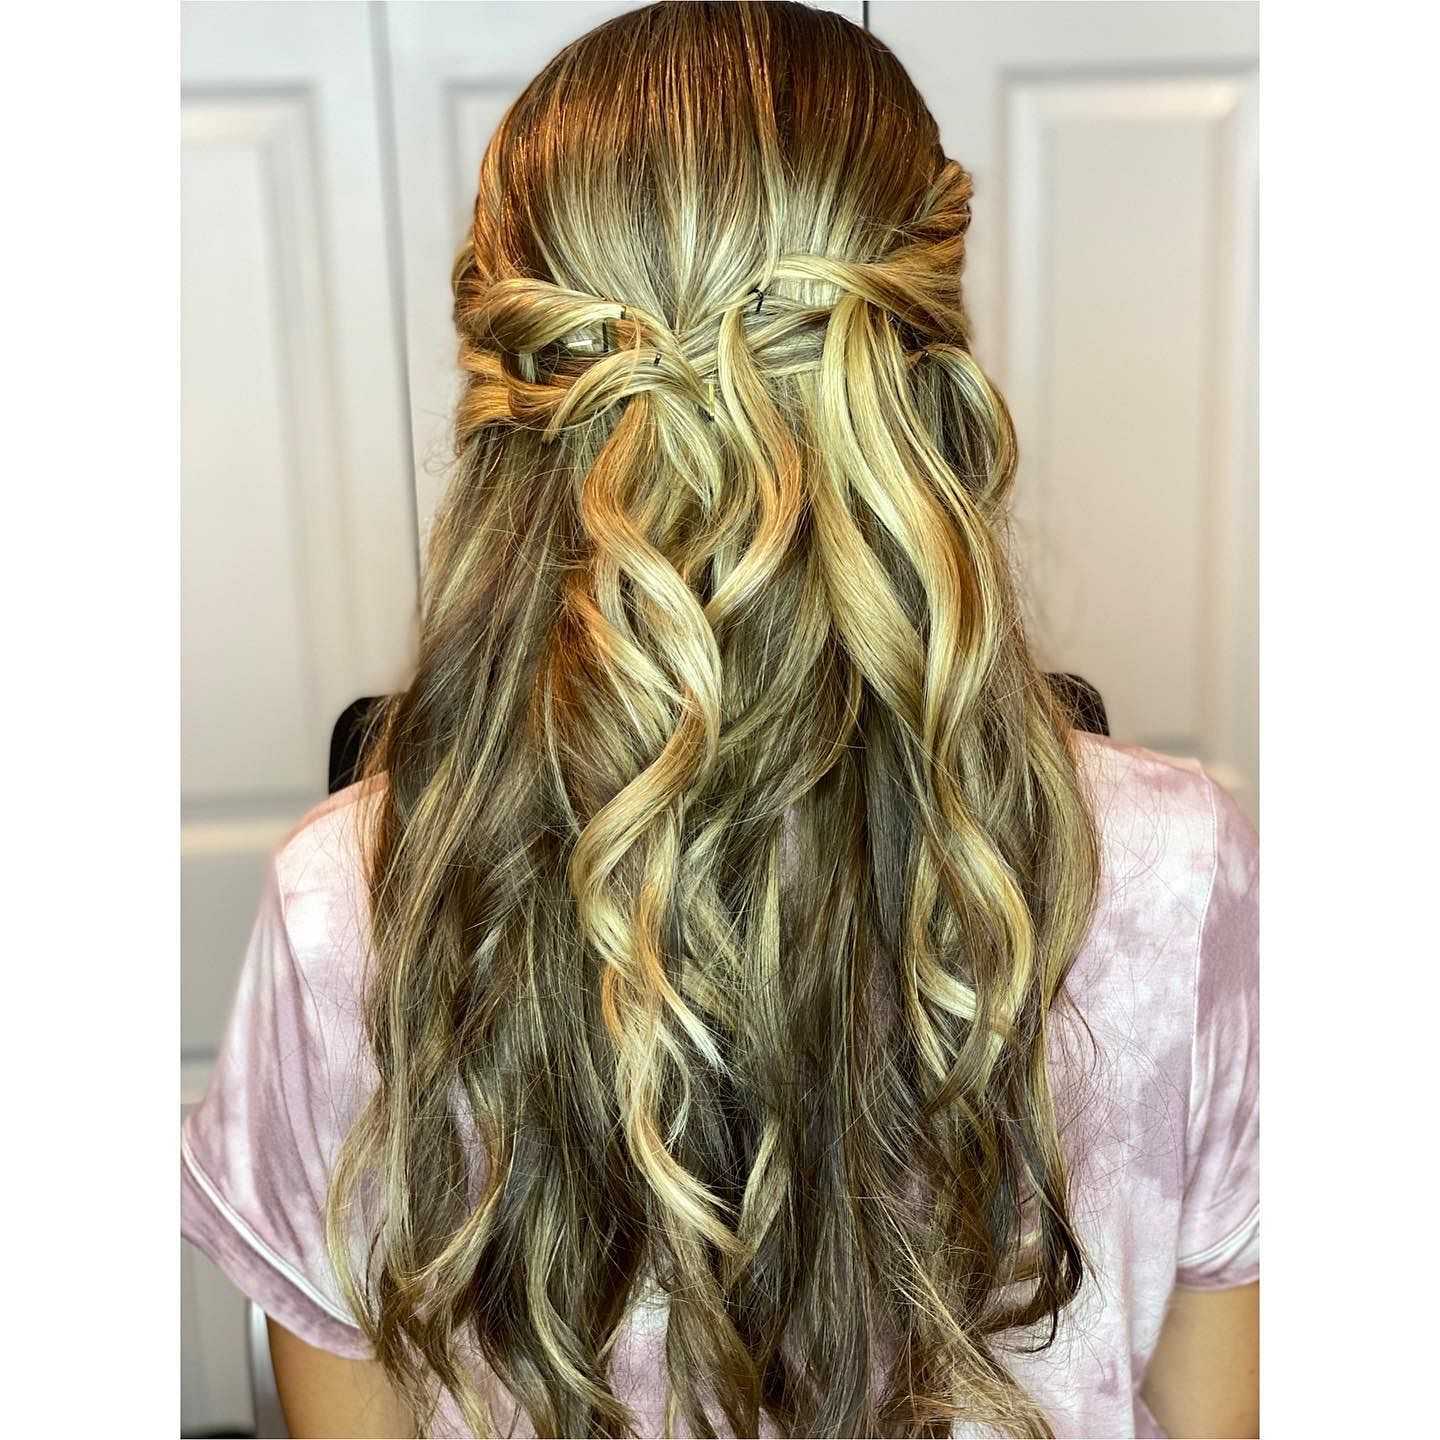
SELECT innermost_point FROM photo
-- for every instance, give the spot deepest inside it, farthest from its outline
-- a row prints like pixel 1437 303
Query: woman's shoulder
pixel 1116 769
pixel 1179 859
pixel 1155 811
pixel 320 875
pixel 1158 814
pixel 288 1080
pixel 1166 826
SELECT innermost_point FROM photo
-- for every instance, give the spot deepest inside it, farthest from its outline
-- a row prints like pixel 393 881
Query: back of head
pixel 732 851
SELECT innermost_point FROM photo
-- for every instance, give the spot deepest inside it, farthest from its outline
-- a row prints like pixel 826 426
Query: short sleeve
pixel 257 1151
pixel 1220 1214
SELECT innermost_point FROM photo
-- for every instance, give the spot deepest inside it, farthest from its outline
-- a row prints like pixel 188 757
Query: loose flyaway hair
pixel 729 850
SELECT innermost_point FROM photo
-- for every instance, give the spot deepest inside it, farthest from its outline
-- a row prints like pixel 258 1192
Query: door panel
pixel 298 546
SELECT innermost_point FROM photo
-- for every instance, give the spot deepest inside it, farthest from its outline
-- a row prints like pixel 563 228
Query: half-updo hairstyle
pixel 731 850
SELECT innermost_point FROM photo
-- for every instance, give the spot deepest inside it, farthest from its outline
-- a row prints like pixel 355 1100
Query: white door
pixel 297 502
pixel 299 553
pixel 1111 280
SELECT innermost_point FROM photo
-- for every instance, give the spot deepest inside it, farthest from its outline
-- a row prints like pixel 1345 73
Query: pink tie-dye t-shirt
pixel 1164 1151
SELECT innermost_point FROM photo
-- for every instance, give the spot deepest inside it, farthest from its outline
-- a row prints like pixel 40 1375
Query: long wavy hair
pixel 731 850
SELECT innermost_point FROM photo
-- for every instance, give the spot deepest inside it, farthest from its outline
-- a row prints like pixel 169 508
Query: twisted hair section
pixel 731 851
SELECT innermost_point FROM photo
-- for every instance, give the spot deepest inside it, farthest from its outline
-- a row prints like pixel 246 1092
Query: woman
pixel 734 999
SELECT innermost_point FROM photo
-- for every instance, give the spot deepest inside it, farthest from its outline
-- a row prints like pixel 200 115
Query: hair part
pixel 731 851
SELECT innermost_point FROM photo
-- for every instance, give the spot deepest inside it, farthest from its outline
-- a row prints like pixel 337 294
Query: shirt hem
pixel 281 1291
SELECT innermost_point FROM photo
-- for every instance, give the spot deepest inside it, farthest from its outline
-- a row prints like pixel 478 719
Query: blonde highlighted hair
pixel 731 850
